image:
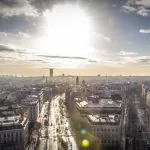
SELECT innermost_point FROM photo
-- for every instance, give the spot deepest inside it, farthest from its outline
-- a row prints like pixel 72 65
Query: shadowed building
pixel 77 80
pixel 13 128
pixel 51 72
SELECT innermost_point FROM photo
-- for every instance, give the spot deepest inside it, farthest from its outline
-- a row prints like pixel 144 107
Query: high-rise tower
pixel 77 80
pixel 51 72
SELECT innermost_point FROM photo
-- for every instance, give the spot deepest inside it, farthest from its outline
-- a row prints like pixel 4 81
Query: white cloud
pixel 125 53
pixel 22 34
pixel 16 8
pixel 145 3
pixel 20 39
pixel 103 37
pixel 143 12
pixel 135 60
pixel 128 9
pixel 144 31
pixel 140 7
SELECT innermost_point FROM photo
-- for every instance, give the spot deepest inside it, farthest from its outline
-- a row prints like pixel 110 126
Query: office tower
pixel 51 72
pixel 77 80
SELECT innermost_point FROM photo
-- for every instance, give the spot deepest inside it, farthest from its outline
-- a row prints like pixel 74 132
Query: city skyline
pixel 106 37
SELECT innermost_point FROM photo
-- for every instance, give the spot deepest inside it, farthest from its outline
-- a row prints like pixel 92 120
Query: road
pixel 44 130
pixel 137 126
pixel 59 125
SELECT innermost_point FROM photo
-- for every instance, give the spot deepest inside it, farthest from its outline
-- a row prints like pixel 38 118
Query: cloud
pixel 69 57
pixel 5 48
pixel 15 35
pixel 10 8
pixel 145 3
pixel 42 5
pixel 139 7
pixel 20 39
pixel 92 61
pixel 22 34
pixel 63 57
pixel 135 60
pixel 125 53
pixel 103 37
pixel 128 9
pixel 143 12
pixel 144 31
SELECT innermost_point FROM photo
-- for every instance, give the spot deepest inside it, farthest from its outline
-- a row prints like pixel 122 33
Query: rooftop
pixel 12 122
pixel 104 119
pixel 9 121
pixel 102 103
pixel 31 100
pixel 7 107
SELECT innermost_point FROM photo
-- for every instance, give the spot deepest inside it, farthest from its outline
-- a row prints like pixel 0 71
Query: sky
pixel 79 37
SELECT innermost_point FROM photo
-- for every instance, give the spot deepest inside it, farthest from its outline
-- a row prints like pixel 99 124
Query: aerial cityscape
pixel 74 74
pixel 74 112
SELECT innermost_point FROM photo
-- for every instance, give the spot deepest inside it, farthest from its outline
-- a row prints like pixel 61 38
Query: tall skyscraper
pixel 77 80
pixel 83 82
pixel 51 72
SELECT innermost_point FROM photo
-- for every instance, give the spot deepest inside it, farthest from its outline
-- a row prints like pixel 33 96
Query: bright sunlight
pixel 67 31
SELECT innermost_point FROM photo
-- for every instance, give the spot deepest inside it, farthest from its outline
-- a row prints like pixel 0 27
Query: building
pixel 13 128
pixel 83 83
pixel 107 127
pixel 77 80
pixel 148 98
pixel 100 106
pixel 102 118
pixel 51 72
pixel 70 94
pixel 145 88
pixel 45 94
pixel 32 103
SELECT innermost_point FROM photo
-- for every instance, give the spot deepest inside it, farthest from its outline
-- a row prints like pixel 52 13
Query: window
pixel 16 136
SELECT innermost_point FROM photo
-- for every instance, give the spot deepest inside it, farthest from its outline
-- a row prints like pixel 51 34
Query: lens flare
pixel 85 143
pixel 83 131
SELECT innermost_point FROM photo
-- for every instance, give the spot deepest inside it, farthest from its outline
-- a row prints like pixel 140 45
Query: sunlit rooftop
pixel 104 118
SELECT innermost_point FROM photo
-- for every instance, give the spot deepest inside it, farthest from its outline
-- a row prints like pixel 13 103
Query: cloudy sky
pixel 106 37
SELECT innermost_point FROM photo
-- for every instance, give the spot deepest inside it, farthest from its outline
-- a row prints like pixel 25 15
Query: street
pixel 58 127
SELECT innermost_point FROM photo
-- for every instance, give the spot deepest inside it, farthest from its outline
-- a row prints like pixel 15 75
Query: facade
pixel 70 94
pixel 102 117
pixel 77 80
pixel 45 94
pixel 13 128
pixel 32 103
pixel 145 89
pixel 106 127
pixel 51 72
pixel 148 98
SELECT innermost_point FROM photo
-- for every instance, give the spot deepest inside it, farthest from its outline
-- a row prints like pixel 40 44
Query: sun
pixel 67 31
